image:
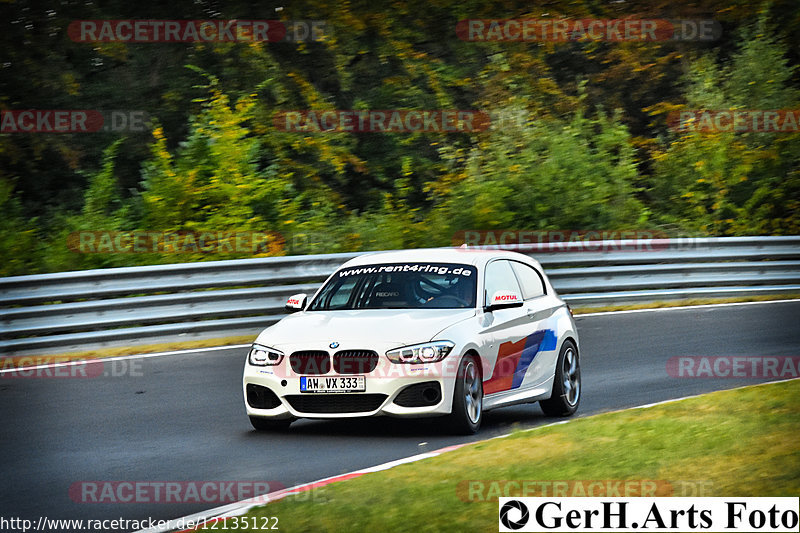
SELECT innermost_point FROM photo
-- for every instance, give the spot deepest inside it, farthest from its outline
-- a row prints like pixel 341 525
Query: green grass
pixel 741 442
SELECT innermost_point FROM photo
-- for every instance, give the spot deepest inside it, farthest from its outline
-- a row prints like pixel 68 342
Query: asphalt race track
pixel 183 418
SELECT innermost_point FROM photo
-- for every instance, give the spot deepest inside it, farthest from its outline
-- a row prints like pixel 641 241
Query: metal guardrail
pixel 222 298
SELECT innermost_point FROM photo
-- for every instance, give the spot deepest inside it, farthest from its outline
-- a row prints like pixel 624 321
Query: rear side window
pixel 529 279
pixel 500 277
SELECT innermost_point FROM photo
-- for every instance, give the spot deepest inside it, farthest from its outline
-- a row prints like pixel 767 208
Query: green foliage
pixel 735 183
pixel 212 183
pixel 18 245
pixel 549 174
pixel 577 140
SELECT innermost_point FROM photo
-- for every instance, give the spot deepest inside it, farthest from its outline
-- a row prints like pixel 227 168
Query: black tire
pixel 267 424
pixel 566 396
pixel 467 412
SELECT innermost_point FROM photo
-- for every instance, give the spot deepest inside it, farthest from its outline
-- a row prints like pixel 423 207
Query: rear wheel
pixel 467 410
pixel 268 424
pixel 566 385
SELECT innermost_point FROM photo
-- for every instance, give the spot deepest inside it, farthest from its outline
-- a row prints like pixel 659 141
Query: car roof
pixel 464 256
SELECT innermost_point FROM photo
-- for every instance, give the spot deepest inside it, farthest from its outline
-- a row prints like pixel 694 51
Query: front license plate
pixel 333 384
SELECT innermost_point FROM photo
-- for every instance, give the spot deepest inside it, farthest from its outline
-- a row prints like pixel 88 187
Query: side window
pixel 500 277
pixel 532 285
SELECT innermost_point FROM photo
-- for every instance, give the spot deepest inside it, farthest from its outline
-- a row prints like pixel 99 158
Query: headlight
pixel 263 356
pixel 429 352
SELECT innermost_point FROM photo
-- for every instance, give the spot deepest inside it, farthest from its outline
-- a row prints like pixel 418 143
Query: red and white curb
pixel 211 516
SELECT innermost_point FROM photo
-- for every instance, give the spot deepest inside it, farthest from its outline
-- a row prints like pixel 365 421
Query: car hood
pixel 397 326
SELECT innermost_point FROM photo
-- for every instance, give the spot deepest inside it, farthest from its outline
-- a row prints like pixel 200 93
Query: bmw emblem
pixel 334 345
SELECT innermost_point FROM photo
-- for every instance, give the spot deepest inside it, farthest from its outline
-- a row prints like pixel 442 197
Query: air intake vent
pixel 355 361
pixel 259 397
pixel 420 395
pixel 310 362
pixel 335 403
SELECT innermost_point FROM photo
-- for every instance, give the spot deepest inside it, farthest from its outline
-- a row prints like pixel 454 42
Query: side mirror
pixel 296 303
pixel 503 300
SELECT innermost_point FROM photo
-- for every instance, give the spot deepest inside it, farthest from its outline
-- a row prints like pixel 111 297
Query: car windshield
pixel 399 286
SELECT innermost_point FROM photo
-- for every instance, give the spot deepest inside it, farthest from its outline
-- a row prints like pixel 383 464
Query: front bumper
pixel 391 389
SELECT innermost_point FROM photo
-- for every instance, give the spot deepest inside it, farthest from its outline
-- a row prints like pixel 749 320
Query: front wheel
pixel 566 384
pixel 467 410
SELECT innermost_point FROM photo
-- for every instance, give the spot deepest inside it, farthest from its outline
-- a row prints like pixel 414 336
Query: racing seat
pixel 386 295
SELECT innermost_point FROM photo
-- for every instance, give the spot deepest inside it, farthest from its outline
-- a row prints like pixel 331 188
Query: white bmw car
pixel 436 332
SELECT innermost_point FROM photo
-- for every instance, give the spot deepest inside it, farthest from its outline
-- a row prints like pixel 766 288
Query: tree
pixel 727 182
